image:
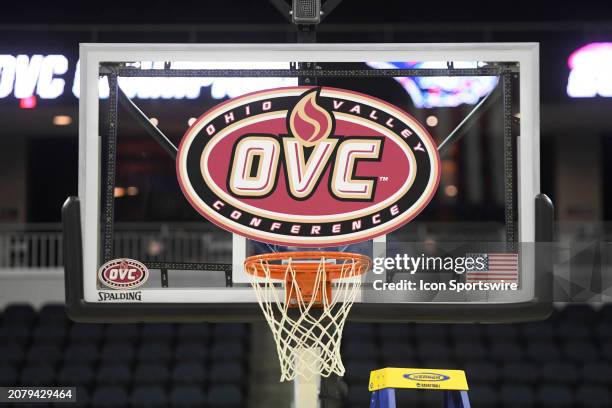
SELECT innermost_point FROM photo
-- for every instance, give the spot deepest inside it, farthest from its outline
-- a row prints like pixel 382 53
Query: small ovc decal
pixel 123 274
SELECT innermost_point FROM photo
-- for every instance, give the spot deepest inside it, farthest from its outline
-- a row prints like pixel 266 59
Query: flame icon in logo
pixel 308 121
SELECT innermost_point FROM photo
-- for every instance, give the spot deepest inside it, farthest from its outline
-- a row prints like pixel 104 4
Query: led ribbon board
pixel 590 71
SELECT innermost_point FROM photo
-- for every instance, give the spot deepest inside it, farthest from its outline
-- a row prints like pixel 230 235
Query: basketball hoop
pixel 307 320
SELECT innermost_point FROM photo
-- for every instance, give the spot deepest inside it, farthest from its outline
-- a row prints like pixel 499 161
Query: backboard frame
pixel 79 292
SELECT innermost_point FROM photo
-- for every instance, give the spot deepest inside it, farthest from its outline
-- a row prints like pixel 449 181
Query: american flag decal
pixel 497 268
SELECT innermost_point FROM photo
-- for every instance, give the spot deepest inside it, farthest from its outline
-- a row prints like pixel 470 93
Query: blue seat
pixel 574 330
pixel 11 353
pixel 579 351
pixel 606 351
pixel 151 373
pixel 593 396
pixel 198 332
pixel 434 349
pixel 505 351
pixel 466 332
pixel 109 396
pixel 44 353
pixel 37 374
pixel 501 332
pixel 154 352
pixel 225 396
pixel 158 332
pixel 541 351
pixel 559 372
pixel 187 397
pixel 358 393
pixel 364 331
pixel 86 333
pixel 396 352
pixel 438 362
pixel 84 353
pixel 127 333
pixel 403 332
pixel 49 333
pixel 11 332
pixel 483 396
pixel 597 373
pixel 467 351
pixel 191 350
pixel 359 349
pixel 114 374
pixel 520 372
pixel 355 370
pixel 117 352
pixel 76 375
pixel 8 375
pixel 555 396
pixel 82 399
pixel 513 396
pixel 227 331
pixel 358 372
pixel 482 372
pixel 19 312
pixel 230 350
pixel 189 373
pixel 227 373
pixel 603 331
pixel 148 396
pixel 538 331
pixel 431 332
pixel 55 313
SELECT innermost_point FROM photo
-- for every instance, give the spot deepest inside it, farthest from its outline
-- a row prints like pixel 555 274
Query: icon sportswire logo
pixel 427 377
pixel 309 166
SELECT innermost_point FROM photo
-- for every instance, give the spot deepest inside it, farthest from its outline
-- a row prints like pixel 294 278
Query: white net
pixel 307 323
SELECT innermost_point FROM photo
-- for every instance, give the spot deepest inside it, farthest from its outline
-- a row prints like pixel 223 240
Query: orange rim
pixel 253 264
pixel 305 267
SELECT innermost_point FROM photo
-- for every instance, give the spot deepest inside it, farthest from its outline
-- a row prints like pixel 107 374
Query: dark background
pixel 574 132
pixel 564 361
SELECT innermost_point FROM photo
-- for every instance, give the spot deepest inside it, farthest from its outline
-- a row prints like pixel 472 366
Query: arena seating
pixel 561 362
pixel 141 365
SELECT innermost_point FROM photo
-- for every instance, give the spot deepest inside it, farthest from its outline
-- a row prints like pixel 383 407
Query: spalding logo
pixel 123 273
pixel 427 377
pixel 308 166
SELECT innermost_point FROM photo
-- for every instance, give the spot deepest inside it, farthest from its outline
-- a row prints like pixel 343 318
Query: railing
pixel 31 246
pixel 40 245
pixel 193 242
pixel 35 246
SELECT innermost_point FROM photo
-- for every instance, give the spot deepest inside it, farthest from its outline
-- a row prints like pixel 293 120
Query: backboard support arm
pixel 144 121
